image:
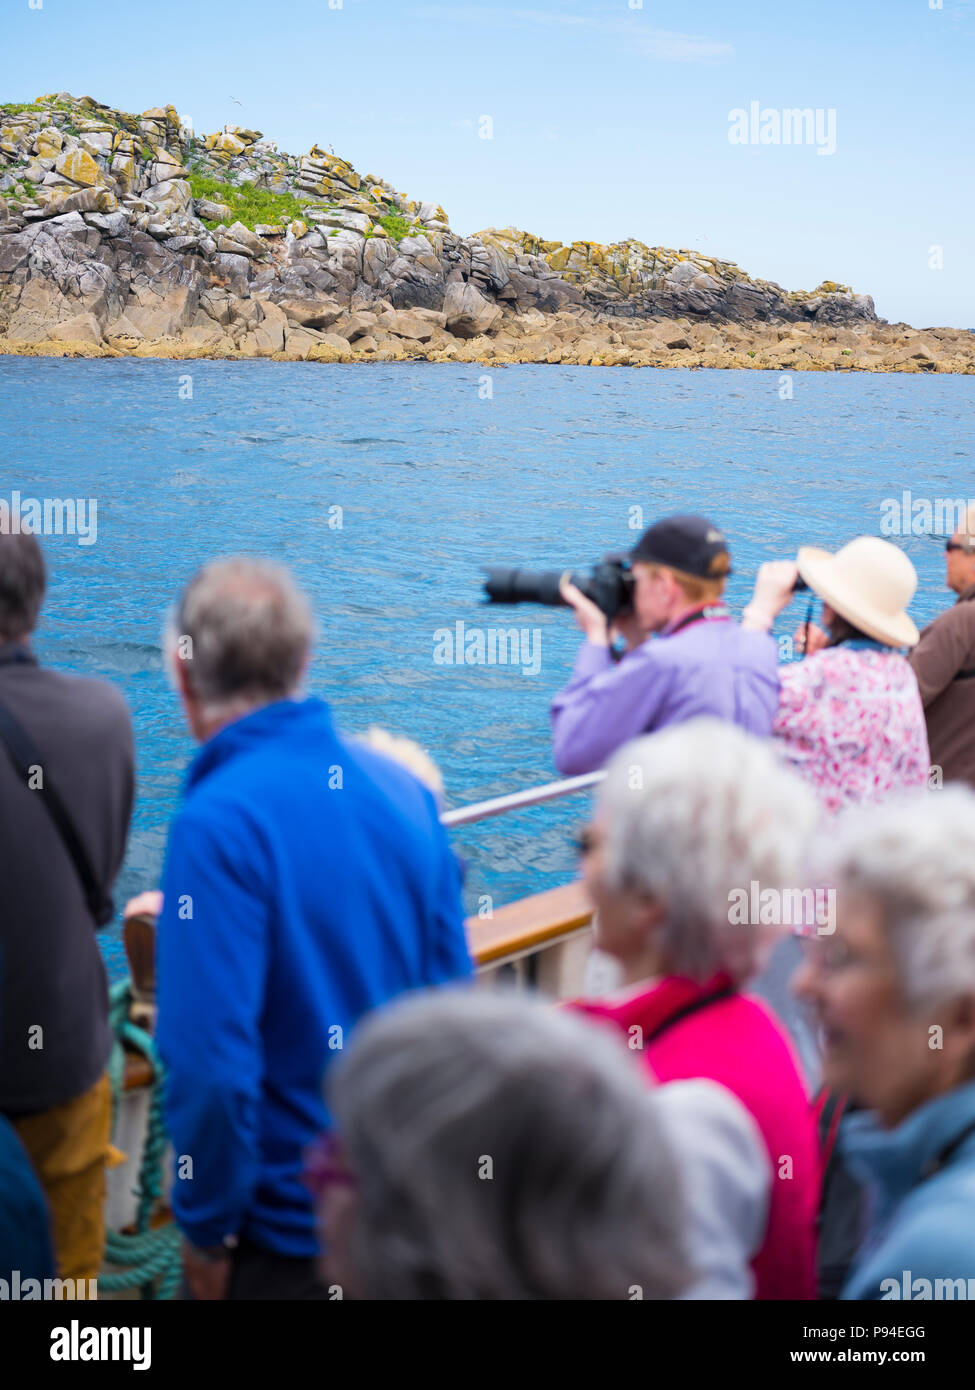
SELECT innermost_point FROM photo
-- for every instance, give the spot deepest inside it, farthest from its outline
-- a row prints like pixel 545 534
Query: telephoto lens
pixel 507 585
pixel 609 585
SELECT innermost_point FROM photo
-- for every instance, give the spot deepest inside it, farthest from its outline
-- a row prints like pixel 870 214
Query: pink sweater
pixel 739 1043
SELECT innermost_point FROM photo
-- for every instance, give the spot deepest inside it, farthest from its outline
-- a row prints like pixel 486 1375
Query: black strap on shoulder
pixel 24 756
pixel 692 1008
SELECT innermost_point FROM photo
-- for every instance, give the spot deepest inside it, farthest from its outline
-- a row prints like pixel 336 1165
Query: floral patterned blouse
pixel 851 723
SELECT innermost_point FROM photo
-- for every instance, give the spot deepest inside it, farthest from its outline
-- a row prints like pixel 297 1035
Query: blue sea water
pixel 435 477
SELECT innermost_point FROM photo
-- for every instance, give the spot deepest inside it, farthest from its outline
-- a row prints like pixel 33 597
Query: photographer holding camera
pixel 685 656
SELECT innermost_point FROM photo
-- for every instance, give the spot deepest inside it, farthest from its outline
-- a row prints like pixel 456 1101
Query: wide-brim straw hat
pixel 870 583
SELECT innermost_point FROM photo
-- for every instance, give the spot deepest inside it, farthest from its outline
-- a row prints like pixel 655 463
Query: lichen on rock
pixel 127 233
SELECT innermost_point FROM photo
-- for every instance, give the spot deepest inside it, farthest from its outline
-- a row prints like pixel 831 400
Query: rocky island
pixel 129 235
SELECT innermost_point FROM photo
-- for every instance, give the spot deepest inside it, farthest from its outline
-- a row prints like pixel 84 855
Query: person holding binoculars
pixel 850 718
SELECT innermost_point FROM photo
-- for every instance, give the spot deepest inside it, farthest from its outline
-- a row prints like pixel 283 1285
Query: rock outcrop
pixel 128 234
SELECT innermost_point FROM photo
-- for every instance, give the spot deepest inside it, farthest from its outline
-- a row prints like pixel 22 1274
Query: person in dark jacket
pixel 307 881
pixel 944 664
pixel 54 1032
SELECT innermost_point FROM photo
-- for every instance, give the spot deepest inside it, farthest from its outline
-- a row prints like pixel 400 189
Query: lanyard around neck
pixel 710 613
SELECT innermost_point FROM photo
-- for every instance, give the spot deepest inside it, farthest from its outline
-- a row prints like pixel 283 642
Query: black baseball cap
pixel 691 544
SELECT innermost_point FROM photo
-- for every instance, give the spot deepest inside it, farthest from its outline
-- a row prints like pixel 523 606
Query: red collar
pixel 663 1002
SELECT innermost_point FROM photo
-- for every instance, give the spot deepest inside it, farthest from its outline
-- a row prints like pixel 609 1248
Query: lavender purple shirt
pixel 711 667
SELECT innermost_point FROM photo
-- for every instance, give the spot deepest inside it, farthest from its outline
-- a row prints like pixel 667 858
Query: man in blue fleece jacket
pixel 307 881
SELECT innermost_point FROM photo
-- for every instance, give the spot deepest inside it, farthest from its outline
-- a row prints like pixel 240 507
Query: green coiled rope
pixel 150 1260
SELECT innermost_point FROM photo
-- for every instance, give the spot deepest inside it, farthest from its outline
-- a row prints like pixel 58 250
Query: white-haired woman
pixel 850 718
pixel 692 863
pixel 494 1148
pixel 894 992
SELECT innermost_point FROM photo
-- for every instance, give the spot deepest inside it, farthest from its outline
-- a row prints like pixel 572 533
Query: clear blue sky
pixel 608 120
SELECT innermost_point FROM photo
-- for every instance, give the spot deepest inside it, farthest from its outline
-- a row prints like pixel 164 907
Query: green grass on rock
pixel 247 204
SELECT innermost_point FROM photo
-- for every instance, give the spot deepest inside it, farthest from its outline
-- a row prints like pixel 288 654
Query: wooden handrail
pixel 515 930
pixel 529 924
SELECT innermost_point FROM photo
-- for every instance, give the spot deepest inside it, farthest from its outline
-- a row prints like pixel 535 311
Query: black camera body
pixel 609 585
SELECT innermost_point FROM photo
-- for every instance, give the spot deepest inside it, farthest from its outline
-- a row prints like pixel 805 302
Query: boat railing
pixel 516 801
pixel 542 941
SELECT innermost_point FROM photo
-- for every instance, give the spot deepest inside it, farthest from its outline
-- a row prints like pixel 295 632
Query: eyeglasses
pixel 325 1166
pixel 966 546
pixel 584 839
pixel 833 955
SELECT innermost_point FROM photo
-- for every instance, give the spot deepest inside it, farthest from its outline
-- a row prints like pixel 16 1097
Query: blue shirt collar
pixel 269 721
pixel 895 1160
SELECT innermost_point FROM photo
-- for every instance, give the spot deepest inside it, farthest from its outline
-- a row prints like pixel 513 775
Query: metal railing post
pixel 514 801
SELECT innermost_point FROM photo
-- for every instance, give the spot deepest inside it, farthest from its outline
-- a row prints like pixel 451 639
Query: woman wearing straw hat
pixel 850 718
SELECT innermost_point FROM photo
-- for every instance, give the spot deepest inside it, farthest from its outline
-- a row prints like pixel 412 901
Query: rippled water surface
pixel 434 479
